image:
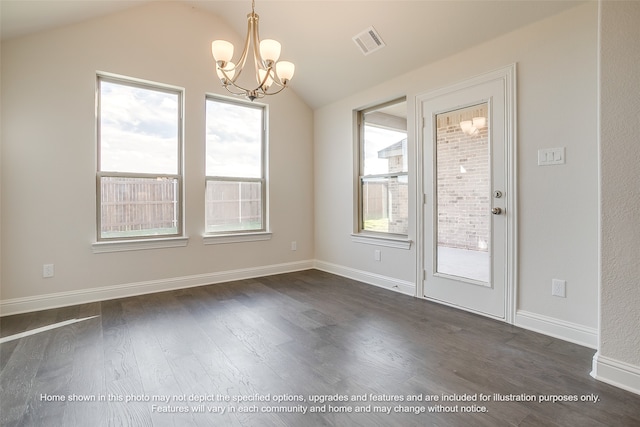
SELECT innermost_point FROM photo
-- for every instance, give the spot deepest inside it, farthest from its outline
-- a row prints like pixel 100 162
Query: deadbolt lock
pixel 497 194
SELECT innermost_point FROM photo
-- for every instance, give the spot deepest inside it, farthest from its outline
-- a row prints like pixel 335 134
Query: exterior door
pixel 467 163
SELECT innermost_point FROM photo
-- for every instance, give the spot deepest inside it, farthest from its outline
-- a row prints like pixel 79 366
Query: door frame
pixel 507 75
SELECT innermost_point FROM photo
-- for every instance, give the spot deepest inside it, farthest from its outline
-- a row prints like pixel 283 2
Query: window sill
pixel 219 239
pixel 137 245
pixel 390 242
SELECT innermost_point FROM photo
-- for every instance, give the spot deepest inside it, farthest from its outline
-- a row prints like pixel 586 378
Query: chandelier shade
pixel 272 76
pixel 222 50
pixel 270 50
pixel 472 127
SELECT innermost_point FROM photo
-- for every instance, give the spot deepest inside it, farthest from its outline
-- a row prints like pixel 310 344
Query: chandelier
pixel 272 76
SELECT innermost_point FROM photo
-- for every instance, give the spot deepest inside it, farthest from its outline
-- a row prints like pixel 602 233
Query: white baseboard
pixel 63 299
pixel 557 328
pixel 402 286
pixel 616 373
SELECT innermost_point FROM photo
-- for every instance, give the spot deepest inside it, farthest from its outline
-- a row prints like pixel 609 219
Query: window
pixel 383 169
pixel 139 176
pixel 235 200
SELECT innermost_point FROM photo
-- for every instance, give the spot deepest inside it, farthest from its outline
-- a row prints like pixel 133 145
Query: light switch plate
pixel 551 156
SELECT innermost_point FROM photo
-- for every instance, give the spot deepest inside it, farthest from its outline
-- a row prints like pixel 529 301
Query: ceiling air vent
pixel 369 41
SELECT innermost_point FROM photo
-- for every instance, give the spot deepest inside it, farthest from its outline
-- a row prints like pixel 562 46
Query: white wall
pixel 49 151
pixel 618 357
pixel 558 206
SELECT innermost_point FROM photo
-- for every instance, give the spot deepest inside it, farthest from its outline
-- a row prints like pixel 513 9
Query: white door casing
pixel 491 294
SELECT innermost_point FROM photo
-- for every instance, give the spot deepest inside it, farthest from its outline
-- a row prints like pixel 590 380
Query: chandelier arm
pixel 267 75
pixel 259 89
pixel 258 92
pixel 243 58
pixel 257 57
pixel 235 93
pixel 244 89
pixel 276 92
pixel 279 90
pixel 277 81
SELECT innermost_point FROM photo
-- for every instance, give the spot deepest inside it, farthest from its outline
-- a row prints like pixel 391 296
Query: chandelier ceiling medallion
pixel 270 73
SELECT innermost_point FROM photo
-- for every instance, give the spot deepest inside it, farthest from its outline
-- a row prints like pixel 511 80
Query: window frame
pixel 360 234
pixel 242 235
pixel 123 243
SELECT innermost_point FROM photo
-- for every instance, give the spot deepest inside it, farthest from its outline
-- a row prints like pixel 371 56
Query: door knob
pixel 496 211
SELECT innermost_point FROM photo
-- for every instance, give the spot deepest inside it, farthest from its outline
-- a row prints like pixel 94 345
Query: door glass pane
pixel 463 193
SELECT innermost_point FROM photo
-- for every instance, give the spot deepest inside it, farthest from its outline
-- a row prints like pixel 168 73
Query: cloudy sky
pixel 138 129
pixel 234 134
pixel 139 134
pixel 377 139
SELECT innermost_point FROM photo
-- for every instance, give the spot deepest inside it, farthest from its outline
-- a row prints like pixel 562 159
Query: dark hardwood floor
pixel 269 351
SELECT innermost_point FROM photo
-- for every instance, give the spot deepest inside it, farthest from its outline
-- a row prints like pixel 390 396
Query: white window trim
pixel 138 244
pixel 386 241
pixel 219 239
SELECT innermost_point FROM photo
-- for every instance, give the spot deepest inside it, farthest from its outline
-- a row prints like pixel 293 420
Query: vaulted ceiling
pixel 317 35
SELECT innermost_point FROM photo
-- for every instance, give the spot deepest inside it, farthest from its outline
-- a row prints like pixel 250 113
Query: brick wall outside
pixel 463 182
pixel 389 201
pixel 399 216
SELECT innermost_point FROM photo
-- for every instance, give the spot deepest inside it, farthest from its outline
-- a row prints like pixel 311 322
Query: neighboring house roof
pixel 393 150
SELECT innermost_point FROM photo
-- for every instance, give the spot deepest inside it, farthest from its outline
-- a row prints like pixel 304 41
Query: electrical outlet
pixel 47 270
pixel 294 246
pixel 559 288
